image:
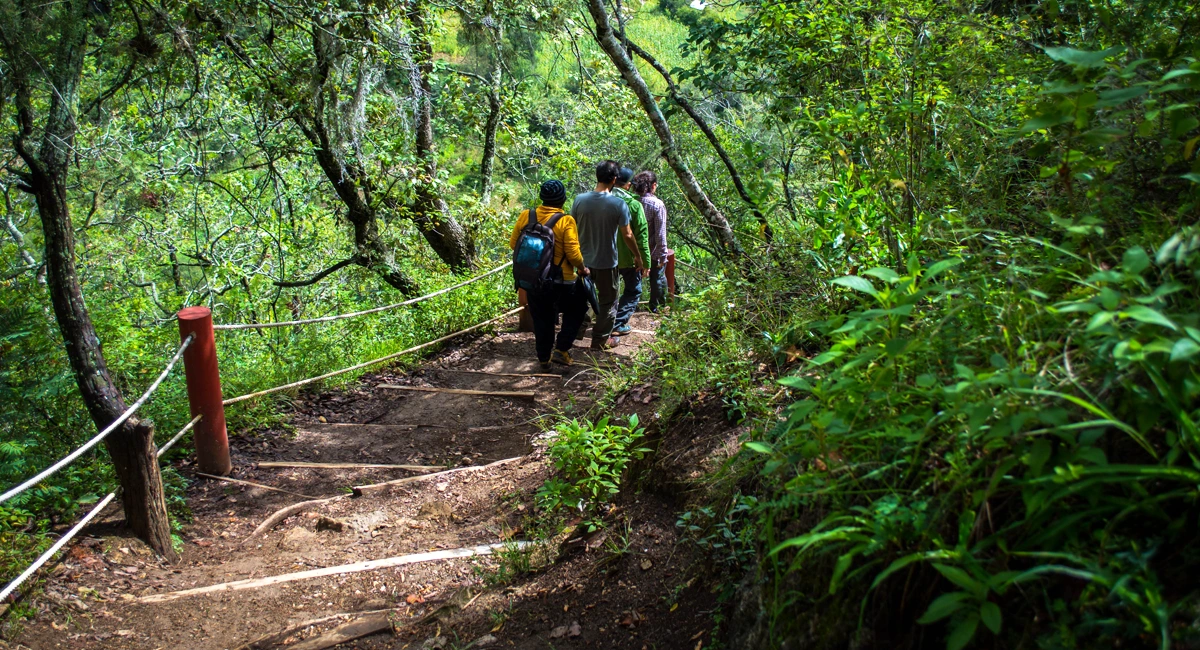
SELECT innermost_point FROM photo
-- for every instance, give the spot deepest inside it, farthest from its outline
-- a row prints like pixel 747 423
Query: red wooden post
pixel 526 322
pixel 204 390
pixel 671 273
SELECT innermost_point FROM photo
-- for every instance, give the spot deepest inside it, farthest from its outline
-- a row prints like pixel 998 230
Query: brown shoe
pixel 611 343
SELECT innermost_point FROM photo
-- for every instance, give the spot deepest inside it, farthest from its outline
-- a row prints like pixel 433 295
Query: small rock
pixel 329 523
pixel 435 510
pixel 436 642
pixel 483 641
pixel 646 564
pixel 575 629
pixel 558 632
pixel 322 419
pixel 441 487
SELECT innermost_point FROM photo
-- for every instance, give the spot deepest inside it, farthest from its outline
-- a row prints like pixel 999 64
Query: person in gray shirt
pixel 600 216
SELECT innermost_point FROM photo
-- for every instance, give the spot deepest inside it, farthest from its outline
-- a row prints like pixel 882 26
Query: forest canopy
pixel 954 250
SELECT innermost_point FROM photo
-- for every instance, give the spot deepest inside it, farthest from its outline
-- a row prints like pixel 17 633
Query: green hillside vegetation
pixel 961 338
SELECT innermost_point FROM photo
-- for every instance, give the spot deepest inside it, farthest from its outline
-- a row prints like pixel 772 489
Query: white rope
pixel 62 541
pixel 45 557
pixel 163 449
pixel 326 319
pixel 103 434
pixel 302 382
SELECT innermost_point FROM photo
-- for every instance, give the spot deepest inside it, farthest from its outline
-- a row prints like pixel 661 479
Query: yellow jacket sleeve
pixel 570 241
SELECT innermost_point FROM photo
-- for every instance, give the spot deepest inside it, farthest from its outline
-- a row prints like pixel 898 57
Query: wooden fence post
pixel 204 390
pixel 671 273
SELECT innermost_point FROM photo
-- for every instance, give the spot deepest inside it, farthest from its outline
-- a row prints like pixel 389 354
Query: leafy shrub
pixel 590 460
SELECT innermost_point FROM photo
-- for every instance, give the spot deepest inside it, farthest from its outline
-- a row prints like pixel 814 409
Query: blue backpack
pixel 534 267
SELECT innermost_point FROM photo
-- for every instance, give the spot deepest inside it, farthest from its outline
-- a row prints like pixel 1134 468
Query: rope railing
pixel 81 524
pixel 103 503
pixel 372 362
pixel 42 475
pixel 376 310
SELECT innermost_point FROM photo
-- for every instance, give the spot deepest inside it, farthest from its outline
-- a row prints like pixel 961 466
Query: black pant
pixel 545 308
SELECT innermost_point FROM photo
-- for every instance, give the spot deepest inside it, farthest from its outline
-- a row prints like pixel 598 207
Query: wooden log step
pixel 521 394
pixel 501 374
pixel 357 567
pixel 370 427
pixel 297 463
pixel 260 486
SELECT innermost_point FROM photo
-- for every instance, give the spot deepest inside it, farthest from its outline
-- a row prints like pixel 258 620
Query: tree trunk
pixel 348 182
pixel 495 87
pixel 717 223
pixel 687 107
pixel 430 212
pixel 132 444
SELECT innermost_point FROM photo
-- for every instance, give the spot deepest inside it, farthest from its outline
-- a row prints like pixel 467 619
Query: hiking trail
pixel 110 591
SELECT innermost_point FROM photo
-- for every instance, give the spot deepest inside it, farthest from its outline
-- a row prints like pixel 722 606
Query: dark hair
pixel 644 182
pixel 606 171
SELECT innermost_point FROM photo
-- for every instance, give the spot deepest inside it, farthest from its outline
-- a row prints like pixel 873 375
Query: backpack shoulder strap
pixel 550 223
pixel 531 219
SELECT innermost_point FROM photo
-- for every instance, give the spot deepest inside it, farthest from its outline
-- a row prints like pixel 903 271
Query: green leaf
pixel 962 633
pixel 1135 260
pixel 826 357
pixel 856 283
pixel 1178 73
pixel 1182 125
pixel 1081 58
pixel 887 275
pixel 1184 349
pixel 760 447
pixel 1145 314
pixel 1193 177
pixel 943 606
pixel 1116 97
pixel 990 614
pixel 1045 121
pixel 962 579
pixel 937 267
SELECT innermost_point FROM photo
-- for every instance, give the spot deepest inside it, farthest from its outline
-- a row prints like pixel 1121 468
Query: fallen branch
pixel 269 640
pixel 650 332
pixel 252 484
pixel 348 631
pixel 522 394
pixel 358 567
pixel 360 490
pixel 284 513
pixel 296 463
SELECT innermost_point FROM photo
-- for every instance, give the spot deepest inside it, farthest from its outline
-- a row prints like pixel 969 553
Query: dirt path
pixel 100 595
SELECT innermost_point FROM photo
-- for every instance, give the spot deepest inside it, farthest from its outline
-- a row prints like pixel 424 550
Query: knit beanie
pixel 624 176
pixel 553 193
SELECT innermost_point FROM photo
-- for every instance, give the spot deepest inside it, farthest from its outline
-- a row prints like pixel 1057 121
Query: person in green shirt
pixel 631 275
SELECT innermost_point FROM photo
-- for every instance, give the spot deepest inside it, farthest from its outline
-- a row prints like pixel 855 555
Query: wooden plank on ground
pixel 253 484
pixel 359 490
pixel 297 463
pixel 502 374
pixel 357 567
pixel 312 426
pixel 521 394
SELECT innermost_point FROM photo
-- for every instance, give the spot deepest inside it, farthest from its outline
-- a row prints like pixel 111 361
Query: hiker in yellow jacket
pixel 563 297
